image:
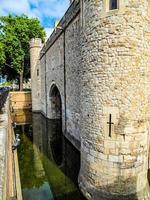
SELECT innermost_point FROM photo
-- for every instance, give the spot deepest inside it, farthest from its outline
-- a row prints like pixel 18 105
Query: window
pixel 113 4
pixel 37 72
pixel 111 7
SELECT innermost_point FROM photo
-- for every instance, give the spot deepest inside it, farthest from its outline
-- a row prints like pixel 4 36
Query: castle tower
pixel 35 48
pixel 115 87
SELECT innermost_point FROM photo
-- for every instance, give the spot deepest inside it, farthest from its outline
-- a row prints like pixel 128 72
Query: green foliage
pixel 2 54
pixel 9 83
pixel 15 34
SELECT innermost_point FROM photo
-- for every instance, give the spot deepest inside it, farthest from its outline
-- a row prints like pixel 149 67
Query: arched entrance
pixel 55 125
pixel 55 103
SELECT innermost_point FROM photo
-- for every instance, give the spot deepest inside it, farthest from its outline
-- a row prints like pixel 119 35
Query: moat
pixel 49 164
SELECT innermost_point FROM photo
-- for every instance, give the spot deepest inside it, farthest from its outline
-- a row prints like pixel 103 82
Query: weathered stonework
pixel 100 62
pixel 35 48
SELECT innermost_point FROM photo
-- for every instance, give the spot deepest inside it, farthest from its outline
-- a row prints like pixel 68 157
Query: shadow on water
pixel 49 164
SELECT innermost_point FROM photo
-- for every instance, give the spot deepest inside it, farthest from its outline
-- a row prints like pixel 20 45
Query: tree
pixel 15 34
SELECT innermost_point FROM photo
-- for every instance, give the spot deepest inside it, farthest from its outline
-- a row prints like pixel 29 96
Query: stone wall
pixel 73 56
pixel 55 73
pixel 65 78
pixel 114 80
pixel 43 85
pixel 99 61
pixel 35 48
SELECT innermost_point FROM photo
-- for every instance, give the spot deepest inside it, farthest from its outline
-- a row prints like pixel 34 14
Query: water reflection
pixel 49 164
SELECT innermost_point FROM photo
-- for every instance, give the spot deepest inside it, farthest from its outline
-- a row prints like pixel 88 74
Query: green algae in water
pixel 41 178
pixel 33 180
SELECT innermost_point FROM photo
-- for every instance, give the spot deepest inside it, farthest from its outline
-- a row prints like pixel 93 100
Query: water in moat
pixel 49 163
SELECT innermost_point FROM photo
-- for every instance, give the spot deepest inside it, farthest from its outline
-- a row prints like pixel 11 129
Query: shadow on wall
pixel 120 183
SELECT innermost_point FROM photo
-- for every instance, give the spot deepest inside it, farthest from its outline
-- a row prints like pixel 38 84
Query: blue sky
pixel 47 11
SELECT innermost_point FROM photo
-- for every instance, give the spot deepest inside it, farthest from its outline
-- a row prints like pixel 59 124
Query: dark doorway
pixel 55 103
pixel 55 125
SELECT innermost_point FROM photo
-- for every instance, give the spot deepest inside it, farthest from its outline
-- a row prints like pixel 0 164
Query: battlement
pixel 35 42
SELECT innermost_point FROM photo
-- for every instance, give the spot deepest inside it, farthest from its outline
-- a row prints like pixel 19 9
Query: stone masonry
pixel 99 59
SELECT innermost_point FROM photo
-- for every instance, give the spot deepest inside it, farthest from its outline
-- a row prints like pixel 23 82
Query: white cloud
pixel 34 8
pixel 17 7
pixel 48 32
pixel 53 8
pixel 45 10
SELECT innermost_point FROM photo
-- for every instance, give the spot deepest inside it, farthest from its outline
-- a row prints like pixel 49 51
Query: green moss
pixel 36 169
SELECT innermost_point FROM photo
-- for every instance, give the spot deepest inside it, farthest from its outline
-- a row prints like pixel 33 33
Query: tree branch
pixel 8 65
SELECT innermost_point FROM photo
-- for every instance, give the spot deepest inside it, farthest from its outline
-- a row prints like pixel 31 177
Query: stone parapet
pixel 35 43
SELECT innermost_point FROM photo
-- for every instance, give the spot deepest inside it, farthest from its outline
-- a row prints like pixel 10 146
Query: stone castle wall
pixel 73 56
pixel 55 69
pixel 35 48
pixel 115 72
pixel 43 85
pixel 52 72
pixel 99 60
